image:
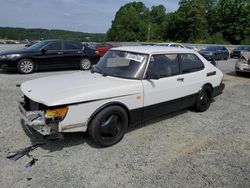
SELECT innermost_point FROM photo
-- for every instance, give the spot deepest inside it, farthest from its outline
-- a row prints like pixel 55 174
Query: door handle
pixel 180 79
pixel 59 53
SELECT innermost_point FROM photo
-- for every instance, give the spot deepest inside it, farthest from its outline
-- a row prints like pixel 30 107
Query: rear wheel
pixel 204 99
pixel 25 66
pixel 85 64
pixel 108 126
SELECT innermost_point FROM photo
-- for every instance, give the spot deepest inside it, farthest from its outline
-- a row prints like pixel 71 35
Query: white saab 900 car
pixel 129 85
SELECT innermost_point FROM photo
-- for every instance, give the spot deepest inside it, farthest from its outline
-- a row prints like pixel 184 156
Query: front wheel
pixel 108 126
pixel 25 66
pixel 85 64
pixel 204 99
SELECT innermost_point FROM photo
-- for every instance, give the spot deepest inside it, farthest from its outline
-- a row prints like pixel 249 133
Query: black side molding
pixel 211 73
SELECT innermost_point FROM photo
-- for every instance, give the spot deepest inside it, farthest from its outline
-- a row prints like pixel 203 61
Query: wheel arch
pixel 114 103
pixel 208 85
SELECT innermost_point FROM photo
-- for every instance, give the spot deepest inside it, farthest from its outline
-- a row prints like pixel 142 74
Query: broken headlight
pixel 57 113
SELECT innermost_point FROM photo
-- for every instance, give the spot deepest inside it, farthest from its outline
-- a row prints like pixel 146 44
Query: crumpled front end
pixel 34 116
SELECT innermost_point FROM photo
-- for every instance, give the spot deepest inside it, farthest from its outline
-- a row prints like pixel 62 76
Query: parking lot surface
pixel 182 149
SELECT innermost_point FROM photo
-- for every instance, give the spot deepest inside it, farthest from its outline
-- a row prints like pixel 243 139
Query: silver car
pixel 243 63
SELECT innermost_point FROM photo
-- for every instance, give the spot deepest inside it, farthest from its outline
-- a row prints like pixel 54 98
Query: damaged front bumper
pixel 36 120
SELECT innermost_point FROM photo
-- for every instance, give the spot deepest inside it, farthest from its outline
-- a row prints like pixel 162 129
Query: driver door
pixel 162 95
pixel 51 56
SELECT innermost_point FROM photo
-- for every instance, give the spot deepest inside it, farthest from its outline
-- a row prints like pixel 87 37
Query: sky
pixel 92 16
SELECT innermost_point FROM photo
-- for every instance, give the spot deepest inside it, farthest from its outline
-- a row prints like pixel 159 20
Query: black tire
pixel 85 64
pixel 204 99
pixel 25 66
pixel 108 126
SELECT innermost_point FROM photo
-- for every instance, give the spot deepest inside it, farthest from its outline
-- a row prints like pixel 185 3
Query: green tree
pixel 233 19
pixel 157 21
pixel 190 20
pixel 130 23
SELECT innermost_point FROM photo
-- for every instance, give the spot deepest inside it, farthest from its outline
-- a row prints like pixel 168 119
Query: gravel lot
pixel 183 149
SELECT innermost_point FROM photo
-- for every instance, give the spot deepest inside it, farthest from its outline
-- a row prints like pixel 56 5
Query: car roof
pixel 153 49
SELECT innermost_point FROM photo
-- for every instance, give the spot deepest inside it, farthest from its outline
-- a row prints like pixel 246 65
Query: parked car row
pixel 211 53
pixel 52 54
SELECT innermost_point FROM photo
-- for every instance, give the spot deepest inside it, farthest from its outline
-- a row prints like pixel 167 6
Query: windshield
pixel 38 45
pixel 122 64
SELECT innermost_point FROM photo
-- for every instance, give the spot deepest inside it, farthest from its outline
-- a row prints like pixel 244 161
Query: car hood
pixel 16 51
pixel 78 87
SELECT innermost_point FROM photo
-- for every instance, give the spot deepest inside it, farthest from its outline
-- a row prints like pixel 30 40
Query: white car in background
pixel 192 48
pixel 177 45
pixel 128 86
pixel 243 63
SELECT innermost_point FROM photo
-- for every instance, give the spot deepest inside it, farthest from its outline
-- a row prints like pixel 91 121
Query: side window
pixel 72 46
pixel 190 63
pixel 54 46
pixel 164 65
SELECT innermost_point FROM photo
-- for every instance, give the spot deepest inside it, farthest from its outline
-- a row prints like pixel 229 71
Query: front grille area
pixel 31 105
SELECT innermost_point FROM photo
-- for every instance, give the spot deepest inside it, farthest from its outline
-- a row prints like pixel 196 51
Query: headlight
pixel 10 56
pixel 56 113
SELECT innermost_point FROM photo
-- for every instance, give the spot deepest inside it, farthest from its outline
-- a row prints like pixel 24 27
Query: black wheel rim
pixel 204 99
pixel 111 126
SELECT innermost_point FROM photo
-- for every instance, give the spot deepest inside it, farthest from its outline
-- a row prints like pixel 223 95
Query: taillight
pixel 97 52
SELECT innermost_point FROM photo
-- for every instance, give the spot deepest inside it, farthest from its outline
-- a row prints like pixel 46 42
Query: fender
pixel 105 106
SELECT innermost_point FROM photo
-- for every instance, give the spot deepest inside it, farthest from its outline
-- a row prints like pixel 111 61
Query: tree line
pixel 195 21
pixel 39 34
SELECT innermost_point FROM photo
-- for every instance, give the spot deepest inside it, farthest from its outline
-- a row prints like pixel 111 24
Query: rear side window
pixel 164 64
pixel 54 46
pixel 190 63
pixel 72 45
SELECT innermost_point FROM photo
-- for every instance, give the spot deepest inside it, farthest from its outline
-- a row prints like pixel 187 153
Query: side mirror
pixel 153 76
pixel 44 50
